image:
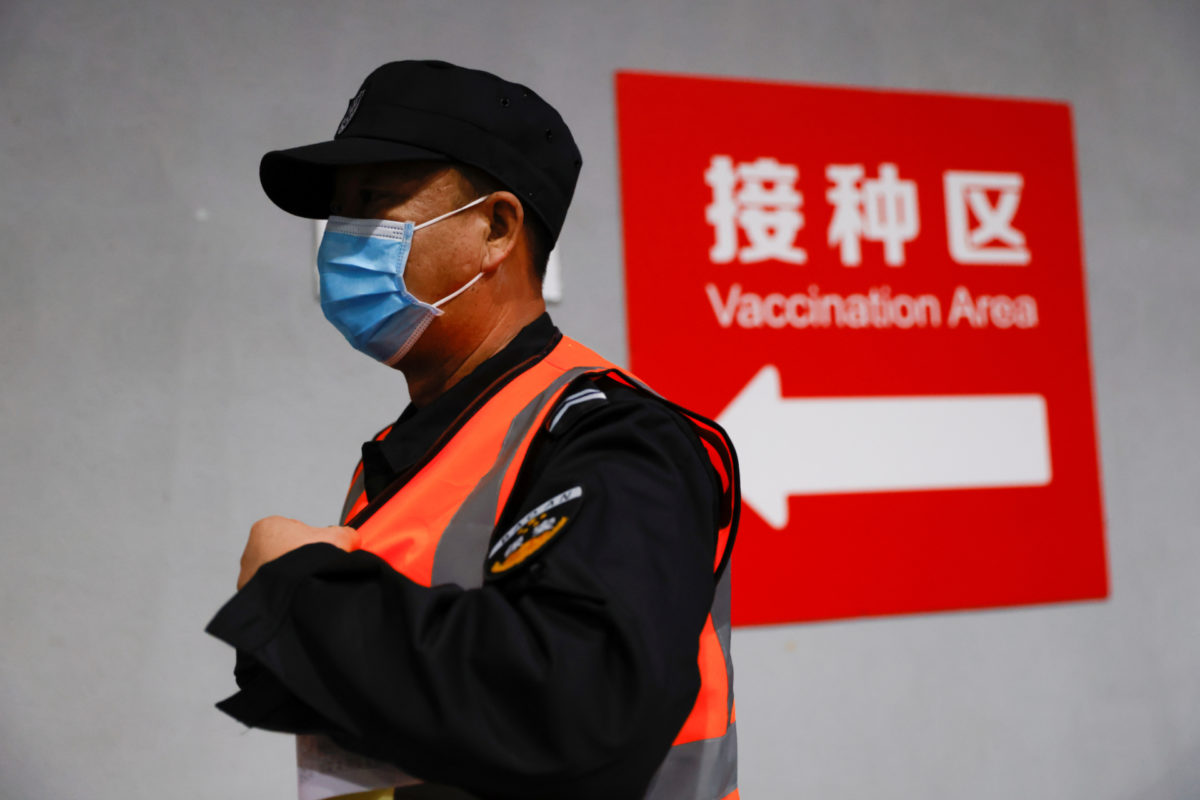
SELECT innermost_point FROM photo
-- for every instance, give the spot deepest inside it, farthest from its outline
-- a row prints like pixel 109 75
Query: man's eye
pixel 373 201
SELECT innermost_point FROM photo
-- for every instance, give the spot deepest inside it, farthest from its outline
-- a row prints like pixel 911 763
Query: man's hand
pixel 271 537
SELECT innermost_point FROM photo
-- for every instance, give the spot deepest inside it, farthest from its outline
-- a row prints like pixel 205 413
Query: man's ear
pixel 505 218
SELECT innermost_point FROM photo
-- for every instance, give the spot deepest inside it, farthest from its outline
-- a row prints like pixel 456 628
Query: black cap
pixel 432 110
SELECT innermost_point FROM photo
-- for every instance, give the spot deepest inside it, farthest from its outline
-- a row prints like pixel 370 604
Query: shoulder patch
pixel 533 531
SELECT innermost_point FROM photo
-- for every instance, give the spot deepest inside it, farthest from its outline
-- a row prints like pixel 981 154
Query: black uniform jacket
pixel 569 676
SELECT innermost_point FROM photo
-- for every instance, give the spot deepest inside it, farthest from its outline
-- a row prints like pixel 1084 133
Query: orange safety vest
pixel 436 528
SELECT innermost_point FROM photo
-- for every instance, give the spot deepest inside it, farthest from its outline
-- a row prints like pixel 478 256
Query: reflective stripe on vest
pixel 436 529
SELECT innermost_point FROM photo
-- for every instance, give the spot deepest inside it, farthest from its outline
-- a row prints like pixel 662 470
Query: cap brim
pixel 300 180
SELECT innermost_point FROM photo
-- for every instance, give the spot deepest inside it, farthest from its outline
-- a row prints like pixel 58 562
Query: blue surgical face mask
pixel 361 267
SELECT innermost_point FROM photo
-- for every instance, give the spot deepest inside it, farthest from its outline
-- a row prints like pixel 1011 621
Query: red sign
pixel 880 296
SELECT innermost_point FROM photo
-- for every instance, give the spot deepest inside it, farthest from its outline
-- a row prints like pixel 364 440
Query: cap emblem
pixel 350 109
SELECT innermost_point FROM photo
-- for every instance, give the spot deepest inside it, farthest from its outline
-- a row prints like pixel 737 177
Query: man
pixel 527 597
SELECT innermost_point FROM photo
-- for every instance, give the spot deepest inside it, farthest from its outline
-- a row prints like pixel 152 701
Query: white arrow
pixel 835 445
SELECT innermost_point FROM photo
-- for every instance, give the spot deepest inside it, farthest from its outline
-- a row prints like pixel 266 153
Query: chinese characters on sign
pixel 882 295
pixel 761 200
pixel 882 209
pixel 992 240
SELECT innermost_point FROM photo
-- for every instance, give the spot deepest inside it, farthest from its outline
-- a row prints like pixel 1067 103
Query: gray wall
pixel 168 379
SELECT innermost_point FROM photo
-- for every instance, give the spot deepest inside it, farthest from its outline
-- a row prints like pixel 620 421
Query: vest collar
pixel 418 428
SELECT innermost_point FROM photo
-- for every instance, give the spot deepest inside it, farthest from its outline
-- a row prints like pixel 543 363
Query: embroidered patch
pixel 533 531
pixel 350 109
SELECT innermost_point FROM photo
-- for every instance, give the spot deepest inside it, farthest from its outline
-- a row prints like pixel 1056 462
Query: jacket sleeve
pixel 569 676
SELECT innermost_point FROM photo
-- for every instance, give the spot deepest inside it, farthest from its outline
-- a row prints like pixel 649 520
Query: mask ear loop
pixel 429 222
pixel 438 305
